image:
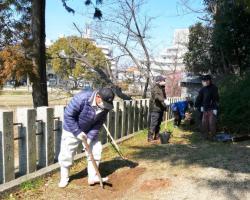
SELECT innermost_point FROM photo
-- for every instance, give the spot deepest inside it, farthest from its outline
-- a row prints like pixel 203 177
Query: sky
pixel 170 15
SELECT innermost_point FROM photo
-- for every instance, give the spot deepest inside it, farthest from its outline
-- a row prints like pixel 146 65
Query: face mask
pixel 101 105
pixel 162 83
pixel 204 83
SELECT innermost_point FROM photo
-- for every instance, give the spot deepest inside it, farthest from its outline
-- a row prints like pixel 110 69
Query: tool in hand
pixel 87 148
pixel 116 147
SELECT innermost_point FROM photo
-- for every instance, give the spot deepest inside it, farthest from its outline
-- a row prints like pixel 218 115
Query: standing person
pixel 207 101
pixel 179 109
pixel 83 118
pixel 157 108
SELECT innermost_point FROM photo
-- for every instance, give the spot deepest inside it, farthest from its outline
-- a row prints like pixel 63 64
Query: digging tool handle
pixel 110 136
pixel 113 142
pixel 119 152
pixel 93 161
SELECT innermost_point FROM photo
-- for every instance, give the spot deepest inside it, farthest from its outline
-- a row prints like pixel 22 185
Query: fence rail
pixel 39 134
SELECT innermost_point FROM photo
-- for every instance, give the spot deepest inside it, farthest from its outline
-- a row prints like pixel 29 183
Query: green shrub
pixel 235 103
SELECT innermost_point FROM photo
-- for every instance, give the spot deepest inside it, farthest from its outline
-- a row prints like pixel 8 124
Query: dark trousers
pixel 155 125
pixel 208 125
pixel 177 118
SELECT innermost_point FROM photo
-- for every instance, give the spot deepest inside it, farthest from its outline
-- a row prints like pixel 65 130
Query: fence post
pixel 110 123
pixel 120 121
pixel 27 141
pixel 58 128
pixel 136 119
pixel 145 114
pixel 148 113
pixel 130 118
pixel 124 119
pixel 103 135
pixel 116 122
pixel 7 170
pixel 141 110
pixel 46 139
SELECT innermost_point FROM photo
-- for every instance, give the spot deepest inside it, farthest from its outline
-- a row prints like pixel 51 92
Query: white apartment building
pixel 171 58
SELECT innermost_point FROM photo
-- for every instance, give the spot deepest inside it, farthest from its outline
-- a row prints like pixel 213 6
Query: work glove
pixel 81 136
pixel 215 112
pixel 202 109
pixel 166 102
pixel 88 141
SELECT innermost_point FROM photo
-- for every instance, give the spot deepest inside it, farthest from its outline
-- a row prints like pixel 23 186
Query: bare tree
pixel 102 72
pixel 187 7
pixel 125 26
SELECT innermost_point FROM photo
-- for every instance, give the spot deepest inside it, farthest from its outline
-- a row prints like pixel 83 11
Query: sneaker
pixel 63 183
pixel 96 180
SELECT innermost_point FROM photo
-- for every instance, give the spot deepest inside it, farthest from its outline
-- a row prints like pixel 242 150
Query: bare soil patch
pixel 155 184
pixel 118 184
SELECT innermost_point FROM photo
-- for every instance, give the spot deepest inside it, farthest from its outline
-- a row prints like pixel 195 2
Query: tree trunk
pixel 39 86
pixel 144 95
pixel 147 83
pixel 225 67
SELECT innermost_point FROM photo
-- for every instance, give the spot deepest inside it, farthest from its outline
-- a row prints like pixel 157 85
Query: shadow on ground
pixel 231 188
pixel 188 148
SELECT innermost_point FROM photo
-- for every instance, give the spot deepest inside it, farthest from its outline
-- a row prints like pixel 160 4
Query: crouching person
pixel 180 109
pixel 83 118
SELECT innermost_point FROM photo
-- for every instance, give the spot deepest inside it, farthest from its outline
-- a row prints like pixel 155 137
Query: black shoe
pixel 150 136
pixel 157 137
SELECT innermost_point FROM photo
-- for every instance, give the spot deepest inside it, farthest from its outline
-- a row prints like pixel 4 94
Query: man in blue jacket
pixel 179 110
pixel 83 118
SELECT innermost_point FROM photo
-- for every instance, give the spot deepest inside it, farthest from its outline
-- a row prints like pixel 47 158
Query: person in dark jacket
pixel 207 103
pixel 83 118
pixel 179 110
pixel 157 107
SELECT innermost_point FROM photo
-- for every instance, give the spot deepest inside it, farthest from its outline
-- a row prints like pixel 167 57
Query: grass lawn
pixel 12 99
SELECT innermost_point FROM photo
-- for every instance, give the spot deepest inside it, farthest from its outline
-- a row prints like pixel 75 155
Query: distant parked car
pixel 51 82
pixel 23 82
pixel 10 83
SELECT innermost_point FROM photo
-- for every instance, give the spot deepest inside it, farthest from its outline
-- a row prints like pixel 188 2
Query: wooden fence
pixel 39 134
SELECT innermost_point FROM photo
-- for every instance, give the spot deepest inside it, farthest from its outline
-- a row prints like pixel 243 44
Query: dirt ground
pixel 187 168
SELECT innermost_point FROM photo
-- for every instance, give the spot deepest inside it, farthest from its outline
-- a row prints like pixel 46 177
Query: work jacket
pixel 158 95
pixel 208 98
pixel 80 116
